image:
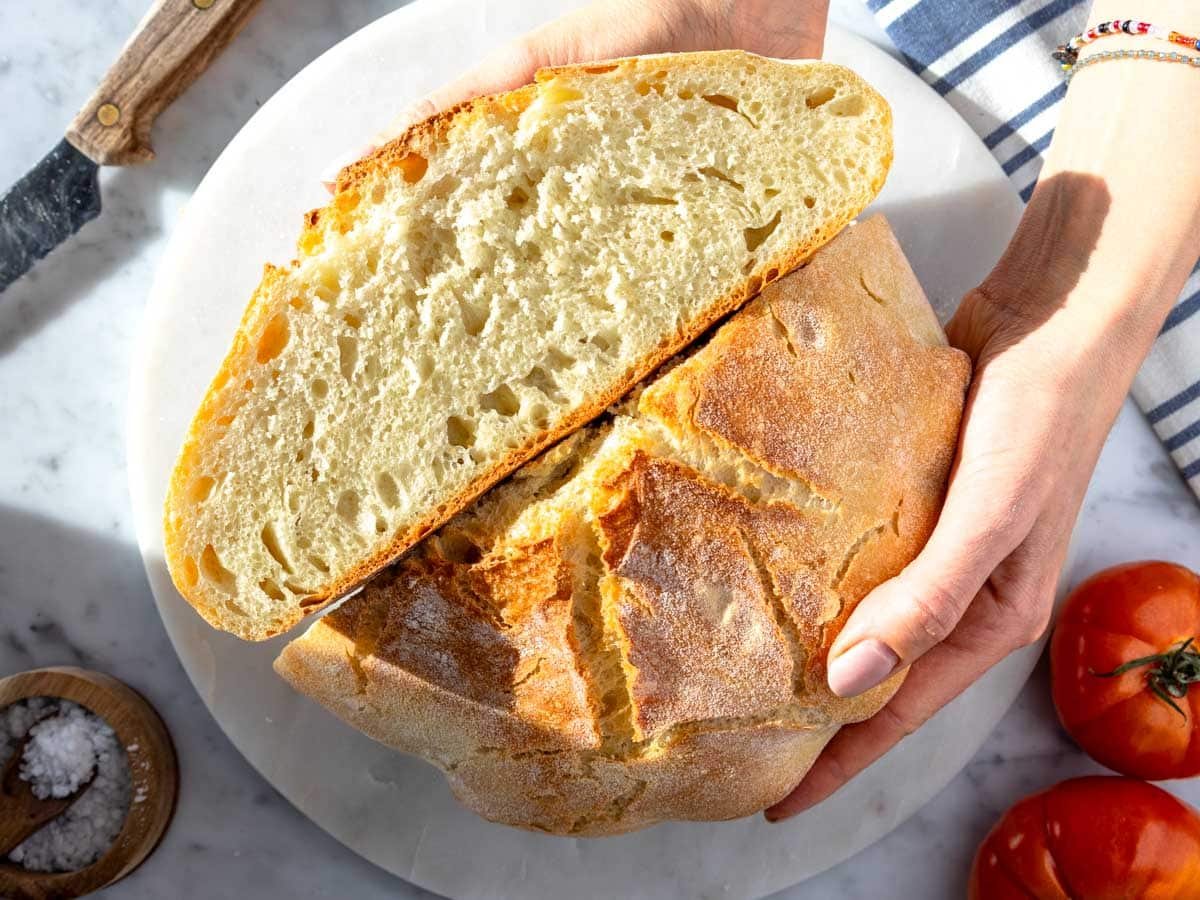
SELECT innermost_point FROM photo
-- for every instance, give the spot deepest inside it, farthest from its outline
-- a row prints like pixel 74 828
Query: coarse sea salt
pixel 68 745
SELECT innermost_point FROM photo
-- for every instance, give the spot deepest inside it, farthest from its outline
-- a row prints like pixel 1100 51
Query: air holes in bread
pixel 541 380
pixel 271 589
pixel 319 388
pixel 352 320
pixel 819 97
pixel 555 92
pixel 387 489
pixel 215 573
pixel 474 317
pixel 201 488
pixel 667 236
pixel 501 400
pixel 460 431
pixel 729 103
pixel 556 360
pixel 347 508
pixel 271 541
pixel 381 525
pixel 413 167
pixel 850 105
pixel 318 563
pixel 347 356
pixel 190 573
pixel 298 303
pixel 606 340
pixel 637 195
pixel 273 339
pixel 371 259
pixel 721 176
pixel 516 198
pixel 599 70
pixel 328 284
pixel 756 236
pixel 810 202
pixel 374 371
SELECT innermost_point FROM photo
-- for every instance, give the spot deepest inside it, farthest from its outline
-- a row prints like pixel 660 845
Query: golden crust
pixel 424 139
pixel 688 679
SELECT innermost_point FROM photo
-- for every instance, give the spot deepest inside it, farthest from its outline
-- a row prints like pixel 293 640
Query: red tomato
pixel 1121 668
pixel 1096 838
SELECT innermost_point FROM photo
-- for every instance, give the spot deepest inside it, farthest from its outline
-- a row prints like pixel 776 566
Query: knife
pixel 173 44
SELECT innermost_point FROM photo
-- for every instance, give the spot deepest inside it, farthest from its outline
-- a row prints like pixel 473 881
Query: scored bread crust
pixel 423 138
pixel 635 626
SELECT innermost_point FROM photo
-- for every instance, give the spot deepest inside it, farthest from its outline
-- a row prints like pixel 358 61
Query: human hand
pixel 1051 371
pixel 607 29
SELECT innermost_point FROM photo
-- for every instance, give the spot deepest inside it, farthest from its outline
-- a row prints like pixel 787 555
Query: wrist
pixel 1073 256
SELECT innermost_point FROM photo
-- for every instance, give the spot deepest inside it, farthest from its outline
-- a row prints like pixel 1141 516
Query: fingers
pixel 602 30
pixel 1012 610
pixel 940 676
pixel 905 617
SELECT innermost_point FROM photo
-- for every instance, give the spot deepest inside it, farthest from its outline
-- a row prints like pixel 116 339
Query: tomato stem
pixel 1174 671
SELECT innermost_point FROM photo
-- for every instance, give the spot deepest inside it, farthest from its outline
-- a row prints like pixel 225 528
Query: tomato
pixel 1121 667
pixel 1092 838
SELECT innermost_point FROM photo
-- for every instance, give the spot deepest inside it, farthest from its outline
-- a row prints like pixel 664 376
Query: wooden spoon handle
pixel 21 812
pixel 173 44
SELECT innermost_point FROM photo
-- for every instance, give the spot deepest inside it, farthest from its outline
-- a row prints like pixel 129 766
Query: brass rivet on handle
pixel 108 114
pixel 202 4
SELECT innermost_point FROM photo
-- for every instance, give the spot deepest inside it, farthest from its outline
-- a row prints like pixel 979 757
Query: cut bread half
pixel 634 626
pixel 486 284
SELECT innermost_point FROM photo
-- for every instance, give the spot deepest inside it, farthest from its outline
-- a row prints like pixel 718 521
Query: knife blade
pixel 171 46
pixel 50 203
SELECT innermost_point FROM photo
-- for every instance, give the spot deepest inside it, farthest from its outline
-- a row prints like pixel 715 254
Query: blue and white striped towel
pixel 991 60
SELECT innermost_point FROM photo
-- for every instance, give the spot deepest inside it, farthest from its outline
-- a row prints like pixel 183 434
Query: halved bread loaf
pixel 634 627
pixel 486 284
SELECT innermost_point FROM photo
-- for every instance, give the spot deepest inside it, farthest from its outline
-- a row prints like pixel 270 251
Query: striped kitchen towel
pixel 991 60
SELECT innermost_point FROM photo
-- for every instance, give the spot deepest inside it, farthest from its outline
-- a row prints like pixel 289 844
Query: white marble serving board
pixel 953 211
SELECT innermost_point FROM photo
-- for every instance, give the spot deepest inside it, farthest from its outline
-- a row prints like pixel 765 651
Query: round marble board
pixel 952 209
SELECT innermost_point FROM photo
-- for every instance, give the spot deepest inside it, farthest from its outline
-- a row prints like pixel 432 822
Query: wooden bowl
pixel 153 776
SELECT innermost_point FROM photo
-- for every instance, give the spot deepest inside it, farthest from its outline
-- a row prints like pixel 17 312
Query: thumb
pixel 506 68
pixel 604 29
pixel 906 616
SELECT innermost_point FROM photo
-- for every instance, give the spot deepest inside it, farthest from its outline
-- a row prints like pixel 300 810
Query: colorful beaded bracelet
pixel 1068 53
pixel 1103 55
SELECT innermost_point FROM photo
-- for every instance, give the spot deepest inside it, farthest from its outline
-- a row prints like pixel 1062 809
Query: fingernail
pixel 330 173
pixel 861 668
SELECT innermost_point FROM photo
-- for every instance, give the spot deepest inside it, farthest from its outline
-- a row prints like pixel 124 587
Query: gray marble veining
pixel 72 590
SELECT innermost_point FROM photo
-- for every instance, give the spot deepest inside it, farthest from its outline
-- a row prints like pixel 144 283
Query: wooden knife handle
pixel 173 44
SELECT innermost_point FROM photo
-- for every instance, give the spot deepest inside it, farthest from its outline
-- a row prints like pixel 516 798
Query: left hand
pixel 1050 376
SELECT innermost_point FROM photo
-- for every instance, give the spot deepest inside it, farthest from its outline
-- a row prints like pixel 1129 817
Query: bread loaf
pixel 634 626
pixel 487 284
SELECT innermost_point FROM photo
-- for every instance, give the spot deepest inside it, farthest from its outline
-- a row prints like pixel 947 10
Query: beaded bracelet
pixel 1103 55
pixel 1068 53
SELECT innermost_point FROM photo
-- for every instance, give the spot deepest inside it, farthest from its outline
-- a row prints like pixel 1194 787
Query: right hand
pixel 607 29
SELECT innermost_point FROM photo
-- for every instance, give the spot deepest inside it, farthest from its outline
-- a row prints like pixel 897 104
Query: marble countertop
pixel 72 588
